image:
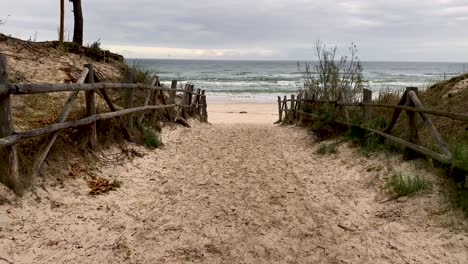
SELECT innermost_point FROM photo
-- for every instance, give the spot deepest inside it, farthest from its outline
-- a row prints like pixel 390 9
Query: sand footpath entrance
pixel 233 193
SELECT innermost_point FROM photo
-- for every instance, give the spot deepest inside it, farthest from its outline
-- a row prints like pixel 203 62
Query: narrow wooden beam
pixel 9 173
pixel 196 101
pixel 91 108
pixel 299 108
pixel 18 136
pixel 172 95
pixel 31 88
pixel 411 145
pixel 128 98
pixel 61 118
pixel 147 99
pixel 432 128
pixel 366 111
pixel 396 113
pixel 280 112
pixel 190 99
pixel 413 136
pixel 293 105
pixel 204 112
pixel 285 108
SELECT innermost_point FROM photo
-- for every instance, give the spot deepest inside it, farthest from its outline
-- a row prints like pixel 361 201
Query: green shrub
pixel 405 185
pixel 325 148
pixel 95 45
pixel 459 153
pixel 151 138
pixel 325 126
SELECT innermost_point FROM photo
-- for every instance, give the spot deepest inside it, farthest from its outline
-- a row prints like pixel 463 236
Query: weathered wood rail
pixel 193 104
pixel 409 102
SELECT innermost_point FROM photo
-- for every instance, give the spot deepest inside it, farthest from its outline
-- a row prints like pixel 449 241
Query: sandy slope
pixel 234 193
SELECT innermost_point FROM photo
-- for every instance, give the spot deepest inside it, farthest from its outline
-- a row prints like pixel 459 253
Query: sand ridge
pixel 233 193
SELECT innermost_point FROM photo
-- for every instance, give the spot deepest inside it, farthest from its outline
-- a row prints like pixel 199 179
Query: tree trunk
pixel 62 18
pixel 78 28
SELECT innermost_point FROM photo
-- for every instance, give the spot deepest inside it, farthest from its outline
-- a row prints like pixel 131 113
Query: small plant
pixel 405 185
pixel 151 138
pixel 327 148
pixel 141 75
pixel 459 154
pixel 95 45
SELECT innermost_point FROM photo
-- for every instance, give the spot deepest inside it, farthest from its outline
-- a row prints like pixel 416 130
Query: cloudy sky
pixel 401 30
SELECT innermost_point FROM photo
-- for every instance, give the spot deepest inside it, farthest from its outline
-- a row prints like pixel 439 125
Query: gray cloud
pixel 258 29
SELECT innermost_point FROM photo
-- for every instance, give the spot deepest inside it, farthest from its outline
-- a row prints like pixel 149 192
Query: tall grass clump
pixel 151 138
pixel 406 185
pixel 140 74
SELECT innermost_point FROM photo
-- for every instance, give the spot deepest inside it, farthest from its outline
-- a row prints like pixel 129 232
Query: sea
pixel 264 81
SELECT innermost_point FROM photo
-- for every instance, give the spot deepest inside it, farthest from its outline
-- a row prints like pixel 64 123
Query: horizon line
pixel 289 60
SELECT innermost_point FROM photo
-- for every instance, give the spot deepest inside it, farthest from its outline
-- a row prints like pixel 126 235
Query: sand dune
pixel 234 193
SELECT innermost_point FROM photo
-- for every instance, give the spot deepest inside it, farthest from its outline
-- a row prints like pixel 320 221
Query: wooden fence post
pixel 285 108
pixel 413 136
pixel 155 99
pixel 9 174
pixel 366 111
pixel 280 112
pixel 299 107
pixel 293 105
pixel 196 102
pixel 190 98
pixel 203 112
pixel 91 108
pixel 128 98
pixel 149 93
pixel 172 95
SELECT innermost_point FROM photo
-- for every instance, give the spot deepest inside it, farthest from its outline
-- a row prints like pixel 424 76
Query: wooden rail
pixel 410 103
pixel 193 105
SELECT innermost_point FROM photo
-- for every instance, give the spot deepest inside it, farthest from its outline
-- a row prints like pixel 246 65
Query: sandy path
pixel 233 193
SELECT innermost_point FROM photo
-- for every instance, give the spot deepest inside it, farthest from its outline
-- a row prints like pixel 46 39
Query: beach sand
pixel 239 190
pixel 253 113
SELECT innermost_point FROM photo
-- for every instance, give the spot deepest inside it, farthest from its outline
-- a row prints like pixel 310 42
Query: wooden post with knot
pixel 128 97
pixel 413 135
pixel 91 108
pixel 9 174
pixel 366 110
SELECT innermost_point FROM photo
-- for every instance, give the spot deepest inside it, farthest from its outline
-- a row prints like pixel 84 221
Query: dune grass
pixel 406 185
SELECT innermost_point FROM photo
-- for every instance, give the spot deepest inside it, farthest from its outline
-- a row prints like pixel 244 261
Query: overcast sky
pixel 402 30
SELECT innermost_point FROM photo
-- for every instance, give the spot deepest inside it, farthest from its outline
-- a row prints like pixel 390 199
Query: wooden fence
pixel 409 102
pixel 193 104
